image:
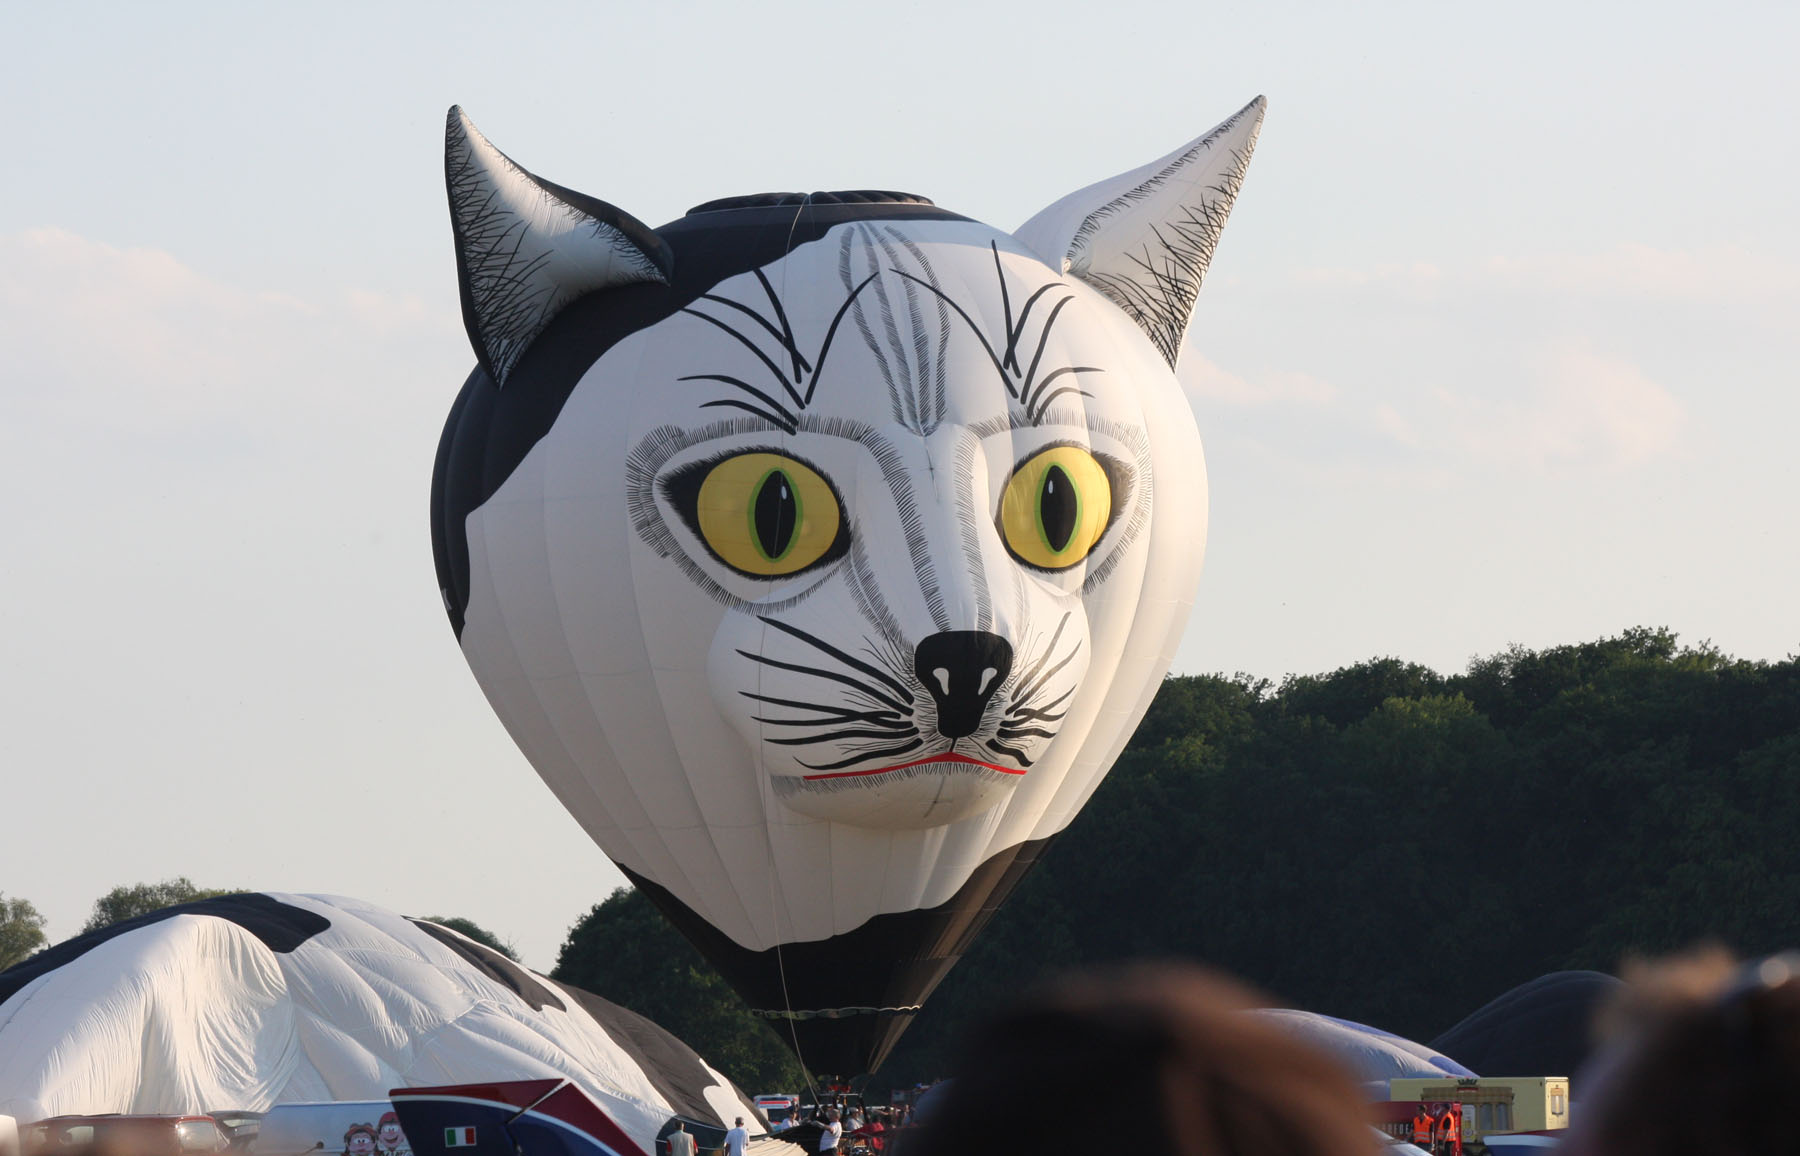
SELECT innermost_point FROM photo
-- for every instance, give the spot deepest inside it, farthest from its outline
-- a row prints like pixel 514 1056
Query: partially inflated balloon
pixel 821 552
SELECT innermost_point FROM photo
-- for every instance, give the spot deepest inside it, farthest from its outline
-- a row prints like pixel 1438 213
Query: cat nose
pixel 962 669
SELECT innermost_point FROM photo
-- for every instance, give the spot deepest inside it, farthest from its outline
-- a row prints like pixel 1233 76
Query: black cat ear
pixel 525 247
pixel 1145 238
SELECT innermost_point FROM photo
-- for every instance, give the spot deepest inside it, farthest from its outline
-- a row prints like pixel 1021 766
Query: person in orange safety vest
pixel 1449 1131
pixel 1421 1127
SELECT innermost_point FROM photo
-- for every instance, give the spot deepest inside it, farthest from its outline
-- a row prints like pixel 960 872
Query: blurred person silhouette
pixel 1699 1056
pixel 1156 1058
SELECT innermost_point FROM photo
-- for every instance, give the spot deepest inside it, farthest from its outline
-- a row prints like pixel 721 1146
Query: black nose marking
pixel 962 669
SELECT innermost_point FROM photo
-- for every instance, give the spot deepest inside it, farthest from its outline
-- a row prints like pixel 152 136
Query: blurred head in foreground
pixel 1699 1056
pixel 1155 1058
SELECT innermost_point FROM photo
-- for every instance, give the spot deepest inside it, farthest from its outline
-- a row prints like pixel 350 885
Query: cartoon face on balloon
pixel 805 524
pixel 897 513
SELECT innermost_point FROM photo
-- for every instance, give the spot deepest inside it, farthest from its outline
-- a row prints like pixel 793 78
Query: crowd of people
pixel 850 1127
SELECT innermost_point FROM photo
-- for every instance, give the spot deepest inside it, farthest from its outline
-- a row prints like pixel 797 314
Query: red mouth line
pixel 946 757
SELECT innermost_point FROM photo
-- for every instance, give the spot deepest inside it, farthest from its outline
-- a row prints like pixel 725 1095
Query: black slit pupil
pixel 774 514
pixel 1056 508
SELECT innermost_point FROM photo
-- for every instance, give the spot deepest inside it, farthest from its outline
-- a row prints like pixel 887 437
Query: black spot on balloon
pixel 775 514
pixel 1057 508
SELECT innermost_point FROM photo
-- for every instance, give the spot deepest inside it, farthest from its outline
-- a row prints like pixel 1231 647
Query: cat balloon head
pixel 836 509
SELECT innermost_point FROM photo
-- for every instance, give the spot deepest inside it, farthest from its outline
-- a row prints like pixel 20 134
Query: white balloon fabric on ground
pixel 1373 1056
pixel 247 1001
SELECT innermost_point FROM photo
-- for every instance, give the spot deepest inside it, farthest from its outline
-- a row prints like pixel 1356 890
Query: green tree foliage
pixel 476 932
pixel 21 930
pixel 625 951
pixel 123 903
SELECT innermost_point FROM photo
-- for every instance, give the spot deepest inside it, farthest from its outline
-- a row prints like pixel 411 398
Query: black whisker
pixel 727 379
pixel 767 325
pixel 1026 694
pixel 1029 401
pixel 848 660
pixel 880 718
pixel 792 393
pixel 1046 713
pixel 1005 307
pixel 885 752
pixel 1044 339
pixel 842 712
pixel 973 328
pixel 1013 335
pixel 1049 649
pixel 825 346
pixel 1022 733
pixel 1045 408
pixel 838 736
pixel 1013 753
pixel 831 676
pixel 787 330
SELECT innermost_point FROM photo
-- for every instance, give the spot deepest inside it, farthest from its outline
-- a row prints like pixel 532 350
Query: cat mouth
pixel 948 760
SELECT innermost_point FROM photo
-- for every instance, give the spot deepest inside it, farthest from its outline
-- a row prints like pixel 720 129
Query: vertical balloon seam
pixel 763 787
pixel 629 534
pixel 578 766
pixel 503 628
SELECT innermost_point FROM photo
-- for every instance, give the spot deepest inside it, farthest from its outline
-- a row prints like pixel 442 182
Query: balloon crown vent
pixel 789 200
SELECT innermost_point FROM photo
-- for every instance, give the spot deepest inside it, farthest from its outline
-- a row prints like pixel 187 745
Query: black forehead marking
pixel 490 431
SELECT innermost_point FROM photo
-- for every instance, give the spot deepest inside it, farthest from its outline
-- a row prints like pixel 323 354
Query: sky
pixel 1500 347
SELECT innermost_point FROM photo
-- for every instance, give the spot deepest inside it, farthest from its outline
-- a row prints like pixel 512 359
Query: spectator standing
pixel 874 1132
pixel 1449 1131
pixel 1700 1056
pixel 832 1134
pixel 736 1138
pixel 1167 1062
pixel 1421 1127
pixel 681 1142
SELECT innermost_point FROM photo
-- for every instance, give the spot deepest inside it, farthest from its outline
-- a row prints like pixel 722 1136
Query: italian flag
pixel 459 1137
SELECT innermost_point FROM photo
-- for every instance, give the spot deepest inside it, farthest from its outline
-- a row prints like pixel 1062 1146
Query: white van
pixel 350 1127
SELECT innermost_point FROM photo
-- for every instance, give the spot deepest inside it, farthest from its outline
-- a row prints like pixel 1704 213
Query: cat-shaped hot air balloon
pixel 821 552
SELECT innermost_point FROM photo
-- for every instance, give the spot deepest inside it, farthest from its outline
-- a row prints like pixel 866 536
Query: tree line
pixel 1382 843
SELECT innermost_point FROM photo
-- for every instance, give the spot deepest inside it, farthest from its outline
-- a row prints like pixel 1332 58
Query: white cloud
pixel 1636 270
pixel 1204 380
pixel 1631 270
pixel 101 337
pixel 1579 409
pixel 1414 276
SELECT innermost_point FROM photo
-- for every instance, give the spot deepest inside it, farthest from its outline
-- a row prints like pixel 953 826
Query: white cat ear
pixel 525 247
pixel 1145 238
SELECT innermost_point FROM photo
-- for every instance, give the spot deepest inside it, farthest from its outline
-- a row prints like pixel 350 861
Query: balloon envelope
pixel 821 552
pixel 249 1001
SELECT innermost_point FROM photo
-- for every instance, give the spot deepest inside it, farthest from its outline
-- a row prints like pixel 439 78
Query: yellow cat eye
pixel 767 514
pixel 1055 508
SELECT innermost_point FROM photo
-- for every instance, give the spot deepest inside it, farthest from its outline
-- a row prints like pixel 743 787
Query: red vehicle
pixel 123 1136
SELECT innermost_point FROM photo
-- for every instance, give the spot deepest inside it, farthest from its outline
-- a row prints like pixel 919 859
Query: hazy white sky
pixel 1501 345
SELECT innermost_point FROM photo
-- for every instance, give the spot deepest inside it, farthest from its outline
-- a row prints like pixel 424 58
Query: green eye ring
pixel 763 514
pixel 1056 506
